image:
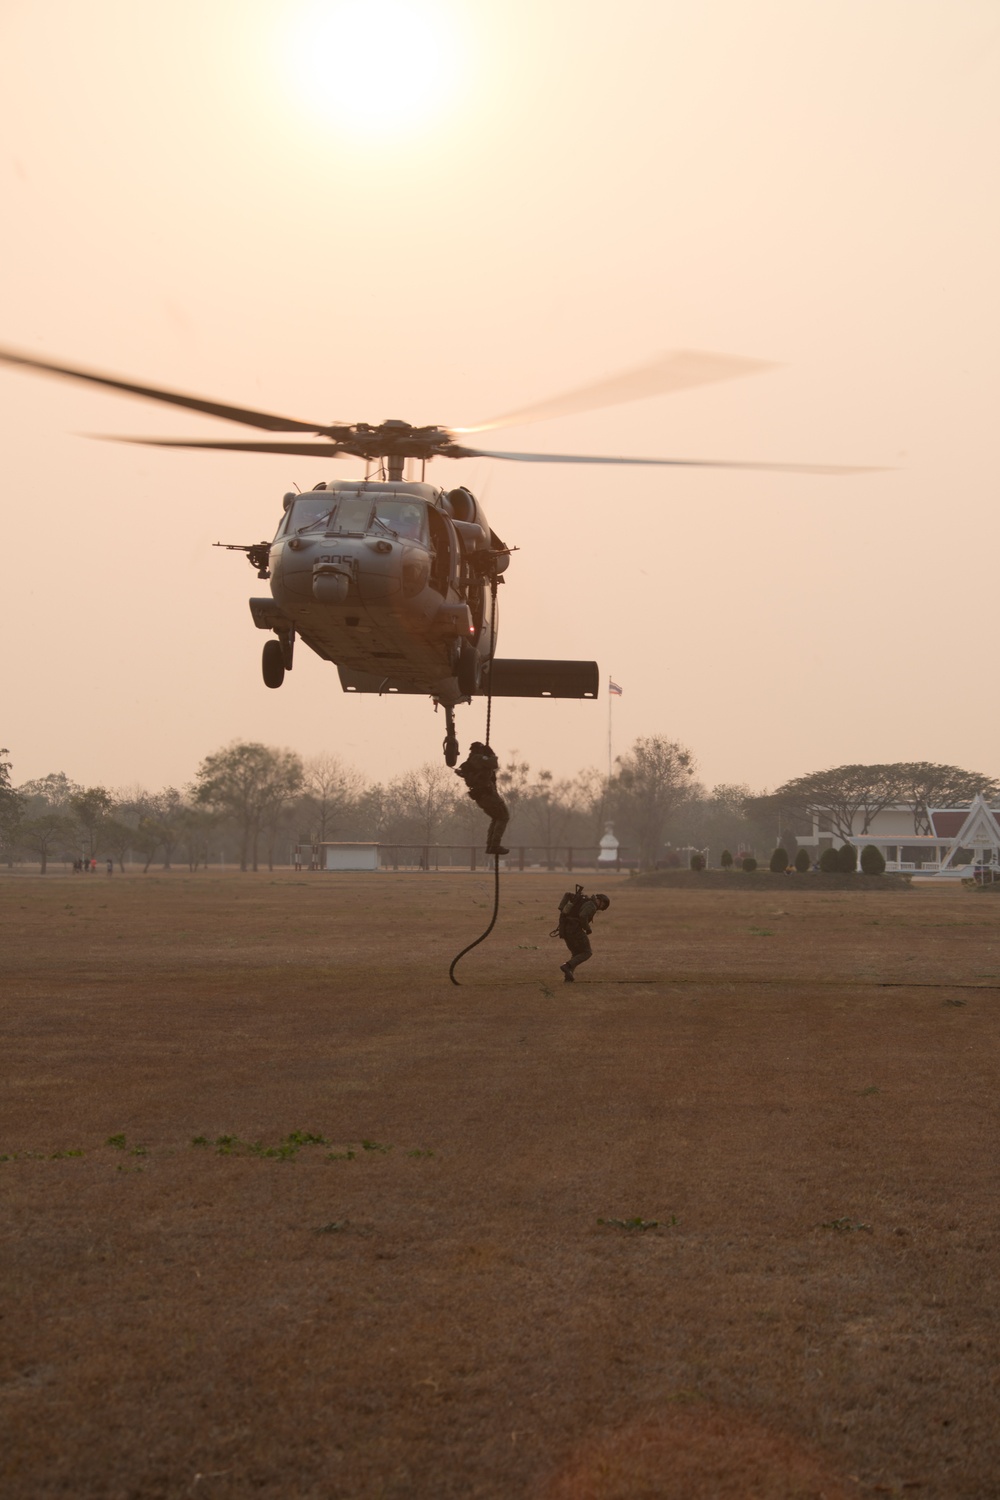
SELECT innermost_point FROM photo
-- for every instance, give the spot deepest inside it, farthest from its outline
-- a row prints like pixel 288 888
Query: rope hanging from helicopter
pixel 494 581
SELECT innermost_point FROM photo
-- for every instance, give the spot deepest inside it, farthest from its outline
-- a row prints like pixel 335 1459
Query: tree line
pixel 250 803
pixel 845 796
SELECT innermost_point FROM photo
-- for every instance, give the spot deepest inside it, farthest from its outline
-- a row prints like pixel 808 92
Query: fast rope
pixel 496 858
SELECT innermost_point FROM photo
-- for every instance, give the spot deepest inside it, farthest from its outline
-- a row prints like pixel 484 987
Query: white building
pixel 337 856
pixel 963 838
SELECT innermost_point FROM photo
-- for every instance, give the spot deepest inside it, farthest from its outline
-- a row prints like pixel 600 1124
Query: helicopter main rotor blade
pixel 243 414
pixel 669 463
pixel 677 371
pixel 327 449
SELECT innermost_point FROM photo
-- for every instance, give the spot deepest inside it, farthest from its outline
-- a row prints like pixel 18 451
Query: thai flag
pixel 613 688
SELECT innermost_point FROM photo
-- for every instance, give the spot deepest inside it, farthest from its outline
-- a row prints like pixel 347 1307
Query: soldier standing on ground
pixel 479 772
pixel 575 917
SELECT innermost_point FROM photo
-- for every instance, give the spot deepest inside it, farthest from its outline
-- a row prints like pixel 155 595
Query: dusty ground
pixel 783 1111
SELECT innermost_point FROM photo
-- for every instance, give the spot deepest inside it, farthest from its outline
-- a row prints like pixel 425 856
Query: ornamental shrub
pixel 749 864
pixel 829 861
pixel 697 862
pixel 847 859
pixel 779 861
pixel 872 861
pixel 802 861
pixel 726 860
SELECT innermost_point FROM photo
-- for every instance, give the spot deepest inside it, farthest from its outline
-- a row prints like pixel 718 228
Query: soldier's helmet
pixel 477 747
pixel 602 901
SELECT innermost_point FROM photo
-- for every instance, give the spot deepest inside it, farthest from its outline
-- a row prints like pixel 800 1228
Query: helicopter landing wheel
pixel 272 664
pixel 450 739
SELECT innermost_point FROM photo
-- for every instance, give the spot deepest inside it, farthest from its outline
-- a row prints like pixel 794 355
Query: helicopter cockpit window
pixel 307 509
pixel 407 518
pixel 352 515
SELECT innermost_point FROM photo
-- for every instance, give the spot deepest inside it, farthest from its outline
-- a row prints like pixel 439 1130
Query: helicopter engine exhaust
pixel 330 585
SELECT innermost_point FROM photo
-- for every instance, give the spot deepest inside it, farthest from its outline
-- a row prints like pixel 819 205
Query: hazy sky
pixel 439 211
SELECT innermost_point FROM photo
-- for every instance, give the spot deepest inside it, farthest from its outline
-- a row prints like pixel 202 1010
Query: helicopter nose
pixel 329 584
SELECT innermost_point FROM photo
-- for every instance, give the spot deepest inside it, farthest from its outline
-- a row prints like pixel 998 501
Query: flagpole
pixel 611 699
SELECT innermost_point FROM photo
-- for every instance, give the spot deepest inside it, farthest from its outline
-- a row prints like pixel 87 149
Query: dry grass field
pixel 287 1215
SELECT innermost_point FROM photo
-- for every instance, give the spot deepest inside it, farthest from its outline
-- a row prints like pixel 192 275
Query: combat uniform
pixel 575 929
pixel 479 772
pixel 575 933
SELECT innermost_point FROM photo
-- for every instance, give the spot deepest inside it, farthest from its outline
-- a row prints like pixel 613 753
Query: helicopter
pixel 395 580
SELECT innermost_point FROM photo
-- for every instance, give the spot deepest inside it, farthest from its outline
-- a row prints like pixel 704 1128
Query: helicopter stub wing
pixel 511 678
pixel 521 678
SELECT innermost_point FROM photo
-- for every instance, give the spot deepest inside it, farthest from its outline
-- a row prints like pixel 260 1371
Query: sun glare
pixel 376 67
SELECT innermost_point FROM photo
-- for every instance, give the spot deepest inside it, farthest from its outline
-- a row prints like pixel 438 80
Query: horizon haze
pixel 241 201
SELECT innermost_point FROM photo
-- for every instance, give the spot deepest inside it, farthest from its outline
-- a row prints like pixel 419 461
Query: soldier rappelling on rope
pixel 479 772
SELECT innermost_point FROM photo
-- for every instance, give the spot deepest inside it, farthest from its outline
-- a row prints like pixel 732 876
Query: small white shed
pixel 339 856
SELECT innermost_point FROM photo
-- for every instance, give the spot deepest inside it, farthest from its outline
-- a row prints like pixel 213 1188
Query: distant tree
pixel 923 785
pixel 90 806
pixel 872 861
pixel 195 827
pixel 118 838
pixel 51 793
pixel 802 861
pixel 841 794
pixel 732 797
pixel 171 810
pixel 590 798
pixel 374 812
pixel 847 859
pixel 128 827
pixel 748 864
pixel 11 805
pixel 717 818
pixel 331 791
pixel 779 861
pixel 653 779
pixel 46 834
pixel 277 828
pixel 548 810
pixel 513 783
pixel 697 862
pixel 148 838
pixel 726 860
pixel 246 780
pixel 422 799
pixel 829 862
pixel 846 796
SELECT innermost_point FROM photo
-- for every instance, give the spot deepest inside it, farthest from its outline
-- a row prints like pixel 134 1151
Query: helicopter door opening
pixel 444 546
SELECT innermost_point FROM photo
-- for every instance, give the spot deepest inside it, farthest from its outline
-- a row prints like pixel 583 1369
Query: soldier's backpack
pixel 569 910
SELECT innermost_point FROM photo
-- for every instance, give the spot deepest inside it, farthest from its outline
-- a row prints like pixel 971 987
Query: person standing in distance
pixel 575 918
